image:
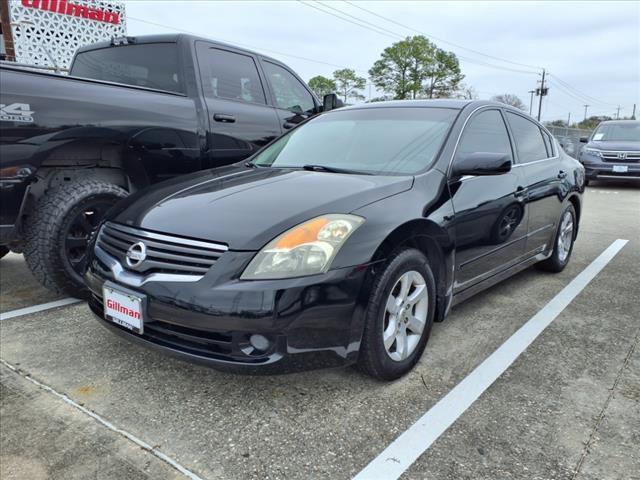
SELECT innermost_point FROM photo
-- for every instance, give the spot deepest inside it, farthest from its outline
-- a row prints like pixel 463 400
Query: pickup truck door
pixel 293 101
pixel 240 119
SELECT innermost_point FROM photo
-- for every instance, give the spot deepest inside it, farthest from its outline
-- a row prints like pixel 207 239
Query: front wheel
pixel 399 316
pixel 563 242
pixel 57 234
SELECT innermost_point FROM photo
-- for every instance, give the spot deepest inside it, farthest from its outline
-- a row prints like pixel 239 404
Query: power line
pixel 149 22
pixel 391 34
pixel 582 94
pixel 441 39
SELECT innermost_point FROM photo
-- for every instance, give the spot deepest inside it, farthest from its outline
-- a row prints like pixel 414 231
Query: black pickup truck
pixel 132 112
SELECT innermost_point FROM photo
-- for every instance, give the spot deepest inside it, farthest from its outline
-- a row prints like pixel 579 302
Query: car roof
pixel 618 122
pixel 456 104
pixel 171 38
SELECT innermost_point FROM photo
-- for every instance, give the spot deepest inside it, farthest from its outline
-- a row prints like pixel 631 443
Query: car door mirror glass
pixel 584 139
pixel 482 163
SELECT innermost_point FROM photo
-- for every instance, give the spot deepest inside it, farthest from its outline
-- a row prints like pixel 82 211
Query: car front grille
pixel 166 254
pixel 621 157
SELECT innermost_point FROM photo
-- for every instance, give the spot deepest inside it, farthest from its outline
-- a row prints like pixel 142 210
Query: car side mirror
pixel 482 163
pixel 584 139
pixel 330 102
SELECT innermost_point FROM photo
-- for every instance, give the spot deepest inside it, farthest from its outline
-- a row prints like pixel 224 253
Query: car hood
pixel 628 146
pixel 247 207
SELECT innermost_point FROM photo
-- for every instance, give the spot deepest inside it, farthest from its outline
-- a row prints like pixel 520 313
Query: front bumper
pixel 310 322
pixel 596 168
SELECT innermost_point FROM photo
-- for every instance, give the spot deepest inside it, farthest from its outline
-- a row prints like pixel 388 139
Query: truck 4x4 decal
pixel 16 112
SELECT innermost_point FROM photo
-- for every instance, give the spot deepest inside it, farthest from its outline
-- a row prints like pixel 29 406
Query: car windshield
pixel 152 65
pixel 384 140
pixel 619 132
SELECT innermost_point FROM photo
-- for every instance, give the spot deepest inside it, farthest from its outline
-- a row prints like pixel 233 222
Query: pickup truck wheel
pixel 3 251
pixel 58 233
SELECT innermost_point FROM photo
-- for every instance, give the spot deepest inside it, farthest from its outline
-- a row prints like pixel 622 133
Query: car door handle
pixel 520 192
pixel 288 125
pixel 224 118
pixel 562 174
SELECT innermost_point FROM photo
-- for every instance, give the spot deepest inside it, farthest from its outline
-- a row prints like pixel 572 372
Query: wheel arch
pixel 434 242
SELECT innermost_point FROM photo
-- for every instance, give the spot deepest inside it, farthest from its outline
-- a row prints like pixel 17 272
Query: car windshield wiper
pixel 324 168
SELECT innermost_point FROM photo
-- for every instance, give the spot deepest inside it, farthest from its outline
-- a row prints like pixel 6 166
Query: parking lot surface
pixel 568 408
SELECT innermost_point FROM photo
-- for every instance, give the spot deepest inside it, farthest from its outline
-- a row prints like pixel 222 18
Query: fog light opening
pixel 259 342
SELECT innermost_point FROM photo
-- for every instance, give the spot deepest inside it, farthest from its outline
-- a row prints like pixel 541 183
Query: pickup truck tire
pixel 59 230
pixel 3 251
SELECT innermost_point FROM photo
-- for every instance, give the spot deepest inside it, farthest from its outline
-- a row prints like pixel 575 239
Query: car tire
pixel 387 361
pixel 562 242
pixel 3 251
pixel 59 230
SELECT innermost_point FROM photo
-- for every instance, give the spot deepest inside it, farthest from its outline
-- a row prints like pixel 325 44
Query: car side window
pixel 229 75
pixel 289 92
pixel 528 139
pixel 486 132
pixel 548 141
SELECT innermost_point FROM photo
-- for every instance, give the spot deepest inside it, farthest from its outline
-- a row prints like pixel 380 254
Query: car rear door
pixel 490 220
pixel 293 101
pixel 240 117
pixel 544 178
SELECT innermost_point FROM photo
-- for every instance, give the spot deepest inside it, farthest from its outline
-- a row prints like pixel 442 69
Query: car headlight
pixel 306 249
pixel 593 151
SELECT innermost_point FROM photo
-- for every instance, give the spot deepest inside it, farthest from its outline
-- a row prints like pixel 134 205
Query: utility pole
pixel 585 111
pixel 633 115
pixel 618 113
pixel 569 120
pixel 531 101
pixel 542 94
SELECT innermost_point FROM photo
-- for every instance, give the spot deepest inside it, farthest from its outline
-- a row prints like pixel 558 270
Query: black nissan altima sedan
pixel 341 242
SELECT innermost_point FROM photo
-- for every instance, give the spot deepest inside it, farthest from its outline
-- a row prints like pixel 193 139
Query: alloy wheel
pixel 405 315
pixel 565 236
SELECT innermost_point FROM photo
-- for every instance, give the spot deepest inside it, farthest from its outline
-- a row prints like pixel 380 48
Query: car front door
pixel 241 121
pixel 490 215
pixel 293 101
pixel 545 180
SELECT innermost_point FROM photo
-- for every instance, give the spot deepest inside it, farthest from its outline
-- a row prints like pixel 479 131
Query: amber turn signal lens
pixel 305 233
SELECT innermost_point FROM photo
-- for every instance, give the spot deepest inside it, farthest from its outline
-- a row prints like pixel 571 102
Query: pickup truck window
pixel 229 75
pixel 152 65
pixel 289 93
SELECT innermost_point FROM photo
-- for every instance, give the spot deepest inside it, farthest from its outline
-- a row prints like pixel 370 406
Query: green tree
pixel 416 67
pixel 348 83
pixel 510 99
pixel 322 85
pixel 593 121
pixel 443 75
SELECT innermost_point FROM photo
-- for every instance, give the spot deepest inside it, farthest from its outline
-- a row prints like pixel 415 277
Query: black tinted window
pixel 548 141
pixel 289 93
pixel 528 138
pixel 229 75
pixel 485 132
pixel 153 65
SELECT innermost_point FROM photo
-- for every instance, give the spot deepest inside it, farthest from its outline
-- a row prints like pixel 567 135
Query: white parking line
pixel 406 449
pixel 38 308
pixel 141 443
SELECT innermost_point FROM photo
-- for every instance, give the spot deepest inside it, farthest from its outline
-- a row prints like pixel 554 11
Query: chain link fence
pixel 569 138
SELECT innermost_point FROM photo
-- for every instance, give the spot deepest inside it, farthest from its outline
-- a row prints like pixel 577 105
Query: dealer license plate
pixel 620 168
pixel 123 308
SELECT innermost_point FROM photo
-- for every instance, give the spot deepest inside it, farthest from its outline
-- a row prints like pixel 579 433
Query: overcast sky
pixel 593 47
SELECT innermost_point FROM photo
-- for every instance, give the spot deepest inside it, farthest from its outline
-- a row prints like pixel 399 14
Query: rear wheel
pixel 563 243
pixel 58 233
pixel 399 316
